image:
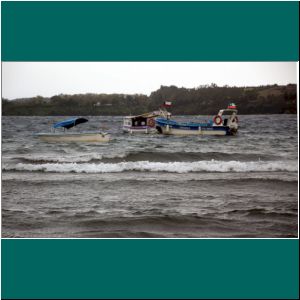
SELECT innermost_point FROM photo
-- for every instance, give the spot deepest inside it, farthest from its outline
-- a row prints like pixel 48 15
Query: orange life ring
pixel 151 122
pixel 218 120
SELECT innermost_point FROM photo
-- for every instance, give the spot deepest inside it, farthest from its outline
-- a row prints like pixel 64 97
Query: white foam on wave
pixel 64 159
pixel 172 167
pixel 72 158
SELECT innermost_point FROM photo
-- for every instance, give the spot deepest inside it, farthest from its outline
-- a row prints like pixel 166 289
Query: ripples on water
pixel 151 185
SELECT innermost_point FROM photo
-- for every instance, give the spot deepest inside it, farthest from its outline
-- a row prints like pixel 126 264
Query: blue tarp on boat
pixel 70 123
pixel 188 125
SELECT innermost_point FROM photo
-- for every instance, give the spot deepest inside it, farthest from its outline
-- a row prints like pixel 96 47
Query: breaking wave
pixel 94 157
pixel 145 156
pixel 171 167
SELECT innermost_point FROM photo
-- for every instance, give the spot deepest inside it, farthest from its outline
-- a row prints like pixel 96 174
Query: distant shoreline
pixel 203 100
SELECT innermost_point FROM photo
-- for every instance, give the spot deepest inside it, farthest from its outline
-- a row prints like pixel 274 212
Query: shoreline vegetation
pixel 202 100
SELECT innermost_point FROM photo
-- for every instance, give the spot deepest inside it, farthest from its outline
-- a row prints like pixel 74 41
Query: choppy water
pixel 151 185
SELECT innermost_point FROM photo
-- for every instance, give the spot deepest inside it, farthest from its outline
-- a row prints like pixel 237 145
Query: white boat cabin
pixel 226 117
pixel 144 123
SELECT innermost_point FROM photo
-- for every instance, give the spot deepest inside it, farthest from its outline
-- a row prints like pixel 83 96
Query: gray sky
pixel 28 79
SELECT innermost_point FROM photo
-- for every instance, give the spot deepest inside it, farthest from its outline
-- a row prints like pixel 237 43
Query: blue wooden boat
pixel 224 123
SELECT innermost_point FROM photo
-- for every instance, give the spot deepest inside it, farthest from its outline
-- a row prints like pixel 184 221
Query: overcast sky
pixel 28 79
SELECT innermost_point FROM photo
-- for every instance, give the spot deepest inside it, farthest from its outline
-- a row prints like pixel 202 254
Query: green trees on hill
pixel 206 99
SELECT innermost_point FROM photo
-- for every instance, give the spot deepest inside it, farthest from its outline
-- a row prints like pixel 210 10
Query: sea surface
pixel 148 186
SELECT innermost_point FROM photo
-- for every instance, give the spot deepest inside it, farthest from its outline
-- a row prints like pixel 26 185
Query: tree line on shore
pixel 203 100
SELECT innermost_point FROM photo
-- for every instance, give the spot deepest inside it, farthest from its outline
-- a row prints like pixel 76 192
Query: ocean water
pixel 151 185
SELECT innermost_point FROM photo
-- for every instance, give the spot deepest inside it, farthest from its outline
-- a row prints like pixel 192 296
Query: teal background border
pixel 157 31
pixel 150 31
pixel 150 269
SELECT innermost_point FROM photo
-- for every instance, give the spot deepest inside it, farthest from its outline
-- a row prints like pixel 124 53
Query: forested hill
pixel 271 99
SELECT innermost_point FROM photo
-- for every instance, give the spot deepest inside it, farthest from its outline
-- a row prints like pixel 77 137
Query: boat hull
pixel 139 129
pixel 171 127
pixel 222 130
pixel 83 137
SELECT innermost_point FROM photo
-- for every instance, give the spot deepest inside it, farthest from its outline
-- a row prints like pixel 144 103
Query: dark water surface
pixel 151 185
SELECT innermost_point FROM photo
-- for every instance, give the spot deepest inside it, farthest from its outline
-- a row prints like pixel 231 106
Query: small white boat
pixel 144 123
pixel 73 136
pixel 224 123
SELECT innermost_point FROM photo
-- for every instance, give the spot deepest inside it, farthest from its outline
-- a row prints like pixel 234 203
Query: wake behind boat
pixel 63 136
pixel 224 123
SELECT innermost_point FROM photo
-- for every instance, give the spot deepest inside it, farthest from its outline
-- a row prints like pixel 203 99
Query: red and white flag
pixel 231 106
pixel 167 103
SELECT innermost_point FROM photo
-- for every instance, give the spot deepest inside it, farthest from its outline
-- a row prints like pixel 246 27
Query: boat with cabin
pixel 224 123
pixel 59 134
pixel 144 123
